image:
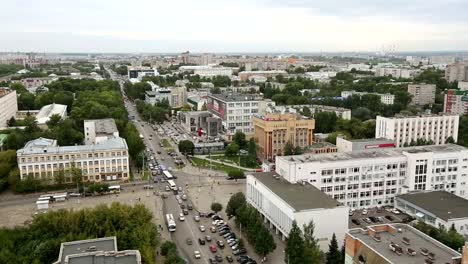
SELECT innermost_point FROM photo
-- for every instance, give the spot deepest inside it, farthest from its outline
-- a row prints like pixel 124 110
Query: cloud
pixel 228 26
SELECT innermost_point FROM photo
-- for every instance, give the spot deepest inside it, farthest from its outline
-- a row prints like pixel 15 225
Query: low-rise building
pixel 321 148
pixel 48 111
pixel 280 203
pixel 245 75
pixel 340 112
pixel 35 82
pixel 138 72
pixel 436 208
pixel 8 105
pixel 387 98
pixel 207 71
pixel 44 159
pixel 456 102
pixel 374 177
pixel 99 130
pixel 96 251
pixel 422 94
pixel 407 130
pixel 396 244
pixel 274 131
pixel 348 145
pixel 175 96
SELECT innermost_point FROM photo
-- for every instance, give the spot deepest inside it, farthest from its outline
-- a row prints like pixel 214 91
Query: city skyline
pixel 244 26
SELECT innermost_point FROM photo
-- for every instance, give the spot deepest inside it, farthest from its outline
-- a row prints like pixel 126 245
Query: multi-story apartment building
pixel 8 105
pixel 374 177
pixel 178 96
pixel 457 72
pixel 273 131
pixel 236 111
pixel 456 102
pixel 423 94
pixel 43 159
pixel 207 71
pixel 387 98
pixel 245 75
pixel 406 130
pixel 396 72
pixel 99 130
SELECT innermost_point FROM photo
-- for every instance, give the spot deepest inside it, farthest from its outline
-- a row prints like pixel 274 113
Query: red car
pixel 213 248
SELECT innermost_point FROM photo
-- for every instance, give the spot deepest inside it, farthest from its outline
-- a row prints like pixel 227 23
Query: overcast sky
pixel 232 26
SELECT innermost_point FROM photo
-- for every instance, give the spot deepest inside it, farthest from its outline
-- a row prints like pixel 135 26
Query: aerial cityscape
pixel 220 132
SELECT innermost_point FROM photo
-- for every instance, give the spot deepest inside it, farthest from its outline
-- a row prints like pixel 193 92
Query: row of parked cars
pixel 231 241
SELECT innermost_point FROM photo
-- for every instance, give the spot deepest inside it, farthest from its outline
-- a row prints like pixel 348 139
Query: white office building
pixel 207 71
pixel 374 177
pixel 175 96
pixel 387 98
pixel 8 105
pixel 406 130
pixel 236 111
pixel 340 112
pixel 281 203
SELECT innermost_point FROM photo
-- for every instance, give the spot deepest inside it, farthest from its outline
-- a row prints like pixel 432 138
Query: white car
pixel 202 228
pixel 364 212
pixel 196 218
pixel 197 254
pixel 181 217
pixel 395 211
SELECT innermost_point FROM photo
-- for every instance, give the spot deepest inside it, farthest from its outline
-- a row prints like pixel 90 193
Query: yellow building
pixel 273 131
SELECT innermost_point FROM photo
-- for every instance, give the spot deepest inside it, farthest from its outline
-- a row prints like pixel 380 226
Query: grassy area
pixel 166 143
pixel 233 160
pixel 215 166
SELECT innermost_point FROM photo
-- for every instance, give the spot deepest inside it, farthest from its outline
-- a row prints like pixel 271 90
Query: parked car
pixel 190 206
pixel 395 211
pixel 220 244
pixel 219 258
pixel 367 220
pixel 229 259
pixel 213 229
pixel 189 241
pixel 213 249
pixel 364 212
pixel 201 241
pixel 202 228
pixel 197 254
pixel 373 219
pixel 208 238
pixel 196 218
pixel 389 217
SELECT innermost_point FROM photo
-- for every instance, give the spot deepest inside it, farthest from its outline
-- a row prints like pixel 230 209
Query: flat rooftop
pixel 104 126
pixel 372 140
pixel 49 146
pixel 442 204
pixel 300 197
pixel 417 240
pixel 83 246
pixel 237 97
pixel 371 153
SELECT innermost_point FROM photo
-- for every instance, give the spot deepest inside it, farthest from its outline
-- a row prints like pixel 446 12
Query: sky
pixel 233 26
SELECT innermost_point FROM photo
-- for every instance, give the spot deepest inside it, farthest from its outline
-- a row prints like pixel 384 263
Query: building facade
pixel 141 71
pixel 235 111
pixel 8 105
pixel 273 131
pixel 348 145
pixel 457 72
pixel 387 98
pixel 423 94
pixel 407 130
pixel 43 159
pixel 35 82
pixel 281 203
pixel 340 112
pixel 245 75
pixel 200 123
pixel 207 71
pixel 456 102
pixel 374 177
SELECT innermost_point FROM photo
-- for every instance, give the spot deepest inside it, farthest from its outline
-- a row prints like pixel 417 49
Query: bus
pixel 114 189
pixel 172 184
pixel 168 175
pixel 171 224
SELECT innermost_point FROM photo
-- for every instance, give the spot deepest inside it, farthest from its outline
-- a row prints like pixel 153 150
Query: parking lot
pixel 373 216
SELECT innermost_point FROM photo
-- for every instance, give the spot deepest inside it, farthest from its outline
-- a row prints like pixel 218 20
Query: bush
pixel 216 207
pixel 236 174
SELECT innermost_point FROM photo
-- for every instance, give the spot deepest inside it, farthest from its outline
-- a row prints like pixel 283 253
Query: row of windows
pixel 74 156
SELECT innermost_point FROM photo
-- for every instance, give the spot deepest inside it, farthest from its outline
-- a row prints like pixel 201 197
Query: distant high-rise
pixel 185 57
pixel 457 72
pixel 423 94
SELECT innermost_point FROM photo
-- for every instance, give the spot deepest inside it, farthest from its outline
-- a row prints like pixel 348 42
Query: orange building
pixel 273 131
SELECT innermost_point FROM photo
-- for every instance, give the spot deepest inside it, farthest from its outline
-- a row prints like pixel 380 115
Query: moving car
pixel 181 217
pixel 202 228
pixel 197 254
pixel 213 249
pixel 201 241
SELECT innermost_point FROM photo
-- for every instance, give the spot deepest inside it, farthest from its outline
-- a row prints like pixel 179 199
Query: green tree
pixel 333 254
pixel 294 251
pixel 53 121
pixel 236 174
pixel 306 111
pixel 59 177
pixel 362 113
pixel 167 247
pixel 239 139
pixel 11 122
pixel 204 108
pixel 232 150
pixel 325 122
pixel 236 201
pixel 311 247
pixel 186 147
pixel 288 149
pixel 216 207
pixel 264 242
